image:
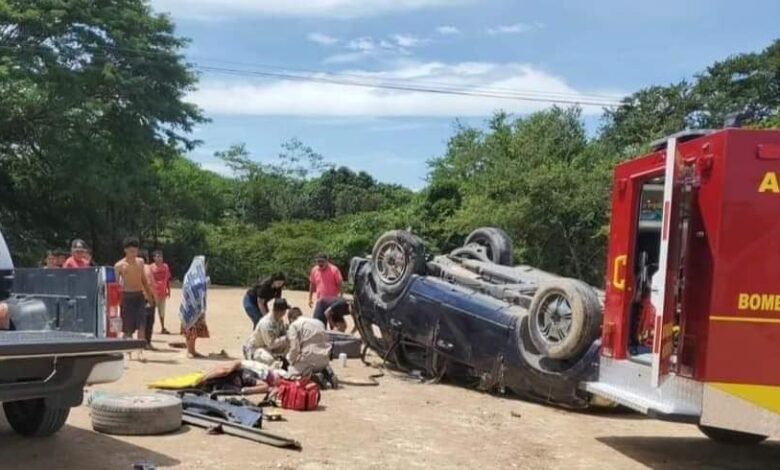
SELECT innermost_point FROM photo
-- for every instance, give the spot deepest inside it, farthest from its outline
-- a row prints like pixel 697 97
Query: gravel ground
pixel 400 424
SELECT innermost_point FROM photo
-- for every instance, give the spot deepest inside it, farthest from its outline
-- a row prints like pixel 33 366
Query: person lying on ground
pixel 332 311
pixel 136 290
pixel 269 341
pixel 257 297
pixel 309 347
pixel 324 279
pixel 246 377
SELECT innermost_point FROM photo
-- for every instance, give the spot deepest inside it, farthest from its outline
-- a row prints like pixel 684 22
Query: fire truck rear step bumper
pixel 629 384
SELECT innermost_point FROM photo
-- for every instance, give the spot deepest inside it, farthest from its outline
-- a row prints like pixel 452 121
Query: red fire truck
pixel 687 329
pixel 707 274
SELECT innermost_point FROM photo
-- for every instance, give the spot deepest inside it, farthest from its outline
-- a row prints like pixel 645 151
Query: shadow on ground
pixel 73 448
pixel 691 452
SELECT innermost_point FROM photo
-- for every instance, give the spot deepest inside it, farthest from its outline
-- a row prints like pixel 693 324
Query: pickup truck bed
pixel 15 344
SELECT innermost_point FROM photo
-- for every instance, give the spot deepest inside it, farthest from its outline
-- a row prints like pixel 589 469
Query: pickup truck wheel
pixel 136 415
pixel 34 418
pixel 496 243
pixel 727 436
pixel 397 255
pixel 564 318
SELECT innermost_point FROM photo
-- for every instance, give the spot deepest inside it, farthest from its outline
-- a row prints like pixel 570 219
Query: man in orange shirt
pixel 78 255
pixel 324 279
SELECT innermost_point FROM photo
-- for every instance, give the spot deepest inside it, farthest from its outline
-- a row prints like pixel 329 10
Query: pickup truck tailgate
pixel 14 344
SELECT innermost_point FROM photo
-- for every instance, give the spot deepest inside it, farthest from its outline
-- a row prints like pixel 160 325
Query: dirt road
pixel 399 424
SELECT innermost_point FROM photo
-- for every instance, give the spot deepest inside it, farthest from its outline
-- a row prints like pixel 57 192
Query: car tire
pixel 136 415
pixel 495 241
pixel 397 255
pixel 581 304
pixel 728 436
pixel 34 418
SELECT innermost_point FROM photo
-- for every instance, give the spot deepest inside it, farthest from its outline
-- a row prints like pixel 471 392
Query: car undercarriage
pixel 471 317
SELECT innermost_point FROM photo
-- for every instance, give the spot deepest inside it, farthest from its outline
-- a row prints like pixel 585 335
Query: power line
pixel 615 98
pixel 333 80
pixel 365 81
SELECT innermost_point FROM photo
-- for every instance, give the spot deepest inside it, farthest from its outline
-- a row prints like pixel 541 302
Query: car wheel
pixel 727 436
pixel 564 318
pixel 495 242
pixel 136 415
pixel 34 418
pixel 397 255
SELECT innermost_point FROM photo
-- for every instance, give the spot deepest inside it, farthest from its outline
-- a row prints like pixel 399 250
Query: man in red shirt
pixel 161 274
pixel 78 255
pixel 324 279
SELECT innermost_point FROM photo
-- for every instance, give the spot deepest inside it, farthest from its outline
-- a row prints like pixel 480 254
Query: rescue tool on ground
pixel 686 329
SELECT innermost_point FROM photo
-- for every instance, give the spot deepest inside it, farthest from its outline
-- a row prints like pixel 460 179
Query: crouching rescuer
pixel 309 349
pixel 268 342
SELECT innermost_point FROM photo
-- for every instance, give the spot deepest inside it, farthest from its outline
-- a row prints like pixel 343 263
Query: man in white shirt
pixel 309 347
pixel 269 341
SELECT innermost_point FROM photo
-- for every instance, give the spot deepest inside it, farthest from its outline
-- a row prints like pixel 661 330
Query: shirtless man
pixel 136 290
pixel 5 318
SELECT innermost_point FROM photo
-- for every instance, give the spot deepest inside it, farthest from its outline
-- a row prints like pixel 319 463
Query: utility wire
pixel 366 81
pixel 368 75
pixel 334 80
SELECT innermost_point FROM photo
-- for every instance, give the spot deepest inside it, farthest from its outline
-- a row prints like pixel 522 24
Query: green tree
pixel 748 84
pixel 647 115
pixel 91 93
pixel 536 177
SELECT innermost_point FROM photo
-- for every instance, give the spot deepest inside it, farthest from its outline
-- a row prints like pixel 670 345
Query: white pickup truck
pixel 57 342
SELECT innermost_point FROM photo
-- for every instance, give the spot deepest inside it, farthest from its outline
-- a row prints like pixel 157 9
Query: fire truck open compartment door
pixel 665 289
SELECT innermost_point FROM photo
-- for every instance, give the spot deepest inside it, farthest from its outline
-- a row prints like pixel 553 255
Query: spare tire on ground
pixel 495 242
pixel 136 414
pixel 564 318
pixel 397 255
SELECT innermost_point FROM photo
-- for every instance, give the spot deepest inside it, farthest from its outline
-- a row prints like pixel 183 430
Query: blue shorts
pixel 252 311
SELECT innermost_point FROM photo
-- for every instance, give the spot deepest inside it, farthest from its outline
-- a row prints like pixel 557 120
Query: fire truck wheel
pixel 495 242
pixel 564 318
pixel 727 436
pixel 397 255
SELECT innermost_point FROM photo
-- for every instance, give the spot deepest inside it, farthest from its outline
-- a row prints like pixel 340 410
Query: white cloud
pixel 517 28
pixel 367 47
pixel 407 40
pixel 364 44
pixel 322 39
pixel 447 30
pixel 345 58
pixel 209 9
pixel 297 98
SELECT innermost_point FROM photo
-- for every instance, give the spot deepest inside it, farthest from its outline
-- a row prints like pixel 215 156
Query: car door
pixel 416 314
pixel 472 328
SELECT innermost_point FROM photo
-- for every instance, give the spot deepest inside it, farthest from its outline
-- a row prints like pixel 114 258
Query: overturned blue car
pixel 473 318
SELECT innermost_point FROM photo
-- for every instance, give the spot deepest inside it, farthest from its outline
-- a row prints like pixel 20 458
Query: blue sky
pixel 572 48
